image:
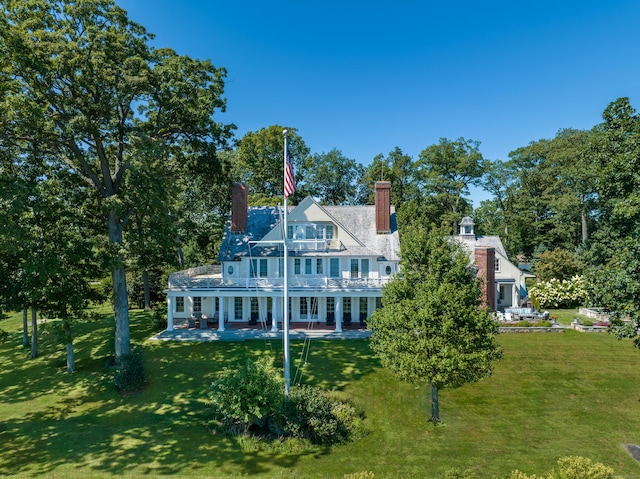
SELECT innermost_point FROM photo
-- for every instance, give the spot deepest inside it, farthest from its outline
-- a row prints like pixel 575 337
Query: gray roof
pixel 358 220
pixel 470 242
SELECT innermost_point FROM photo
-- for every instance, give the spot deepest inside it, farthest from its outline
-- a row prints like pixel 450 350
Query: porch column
pixel 169 313
pixel 221 314
pixel 274 313
pixel 338 314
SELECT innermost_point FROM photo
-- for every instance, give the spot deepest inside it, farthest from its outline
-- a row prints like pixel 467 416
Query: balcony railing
pixel 318 283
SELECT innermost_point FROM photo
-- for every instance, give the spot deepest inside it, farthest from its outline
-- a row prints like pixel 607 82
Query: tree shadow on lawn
pixel 62 421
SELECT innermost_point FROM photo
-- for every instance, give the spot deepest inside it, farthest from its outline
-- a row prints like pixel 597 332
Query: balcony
pixel 318 283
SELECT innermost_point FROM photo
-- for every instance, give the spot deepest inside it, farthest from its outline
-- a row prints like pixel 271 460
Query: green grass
pixel 552 395
pixel 565 316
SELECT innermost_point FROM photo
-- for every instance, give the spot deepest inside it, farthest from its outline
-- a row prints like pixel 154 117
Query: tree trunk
pixel 71 359
pixel 180 257
pixel 34 334
pixel 120 296
pixel 435 407
pixel 25 328
pixel 147 293
pixel 585 226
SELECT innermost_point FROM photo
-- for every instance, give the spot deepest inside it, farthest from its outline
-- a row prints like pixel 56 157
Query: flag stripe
pixel 289 179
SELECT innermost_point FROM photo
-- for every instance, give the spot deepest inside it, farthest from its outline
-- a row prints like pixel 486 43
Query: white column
pixel 221 314
pixel 338 314
pixel 169 313
pixel 275 312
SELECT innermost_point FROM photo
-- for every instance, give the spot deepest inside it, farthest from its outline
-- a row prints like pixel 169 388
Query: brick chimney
pixel 383 207
pixel 239 203
pixel 485 258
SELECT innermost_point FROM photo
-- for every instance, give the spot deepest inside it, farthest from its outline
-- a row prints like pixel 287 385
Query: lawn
pixel 551 395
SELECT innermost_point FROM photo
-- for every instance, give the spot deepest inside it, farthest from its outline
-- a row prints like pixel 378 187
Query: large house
pixel 504 282
pixel 339 257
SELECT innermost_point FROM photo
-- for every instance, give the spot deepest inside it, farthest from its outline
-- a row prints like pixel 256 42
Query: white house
pixel 339 259
pixel 487 252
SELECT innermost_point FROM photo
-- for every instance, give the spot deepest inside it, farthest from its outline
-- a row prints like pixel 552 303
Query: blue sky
pixel 365 77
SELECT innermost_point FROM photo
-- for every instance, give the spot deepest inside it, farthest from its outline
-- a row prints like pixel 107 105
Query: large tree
pixel 431 328
pixel 447 169
pixel 332 178
pixel 260 162
pixel 81 81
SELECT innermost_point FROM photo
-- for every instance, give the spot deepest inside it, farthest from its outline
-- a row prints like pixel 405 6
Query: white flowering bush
pixel 560 294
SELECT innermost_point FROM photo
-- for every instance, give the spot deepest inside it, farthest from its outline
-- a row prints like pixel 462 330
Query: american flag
pixel 289 179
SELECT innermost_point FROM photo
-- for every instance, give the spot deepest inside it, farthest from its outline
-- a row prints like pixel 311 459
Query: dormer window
pixel 310 231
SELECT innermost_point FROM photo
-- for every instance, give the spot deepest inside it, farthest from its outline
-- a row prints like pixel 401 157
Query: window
pixel 354 268
pixel 334 267
pixel 319 266
pixel 290 231
pixel 197 304
pixel 237 303
pixel 230 270
pixel 310 232
pixel 468 229
pixel 304 307
pixel 255 305
pixel 331 305
pixel 498 265
pixel 296 266
pixel 179 304
pixel 364 266
pixel 259 268
pixel 346 305
pixel 307 266
pixel 378 302
pixel 364 306
pixel 387 270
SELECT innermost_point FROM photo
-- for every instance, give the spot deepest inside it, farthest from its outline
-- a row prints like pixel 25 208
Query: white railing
pixel 319 283
pixel 314 244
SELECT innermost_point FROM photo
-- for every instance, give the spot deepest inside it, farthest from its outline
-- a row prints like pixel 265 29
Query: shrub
pixel 572 467
pixel 159 316
pixel 544 323
pixel 4 335
pixel 129 374
pixel 246 395
pixel 558 263
pixel 559 294
pixel 312 414
pixel 586 322
pixel 524 324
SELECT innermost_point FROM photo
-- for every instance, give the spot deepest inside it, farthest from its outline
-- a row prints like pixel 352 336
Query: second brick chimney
pixel 239 204
pixel 485 258
pixel 383 207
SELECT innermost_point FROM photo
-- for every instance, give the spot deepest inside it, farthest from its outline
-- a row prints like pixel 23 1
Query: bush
pixel 544 324
pixel 4 335
pixel 311 414
pixel 159 316
pixel 524 324
pixel 246 395
pixel 572 467
pixel 586 322
pixel 129 374
pixel 559 294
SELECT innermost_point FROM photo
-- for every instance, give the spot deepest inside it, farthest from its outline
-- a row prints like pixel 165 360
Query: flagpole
pixel 285 323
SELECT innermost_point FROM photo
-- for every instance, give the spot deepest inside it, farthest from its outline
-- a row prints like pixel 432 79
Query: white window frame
pixel 179 304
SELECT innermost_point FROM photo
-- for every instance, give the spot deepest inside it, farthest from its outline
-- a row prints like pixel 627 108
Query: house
pixel 339 257
pixel 503 281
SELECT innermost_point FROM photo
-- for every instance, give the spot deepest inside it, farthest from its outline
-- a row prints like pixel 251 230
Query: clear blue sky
pixel 367 76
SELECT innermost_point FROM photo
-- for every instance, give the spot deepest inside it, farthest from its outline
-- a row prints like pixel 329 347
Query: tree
pixel 82 83
pixel 397 168
pixel 557 264
pixel 332 178
pixel 260 161
pixel 447 170
pixel 431 328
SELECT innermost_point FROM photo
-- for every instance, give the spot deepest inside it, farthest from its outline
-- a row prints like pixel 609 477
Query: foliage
pixel 571 467
pixel 458 474
pixel 86 91
pixel 129 375
pixel 4 335
pixel 557 264
pixel 360 475
pixel 431 328
pixel 260 160
pixel 312 414
pixel 615 286
pixel 560 294
pixel 245 395
pixel 332 178
pixel 159 315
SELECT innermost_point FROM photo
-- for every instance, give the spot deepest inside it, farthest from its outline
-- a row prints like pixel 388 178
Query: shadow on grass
pixel 52 421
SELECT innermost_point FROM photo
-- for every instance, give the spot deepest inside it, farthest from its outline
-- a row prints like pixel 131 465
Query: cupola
pixel 466 226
